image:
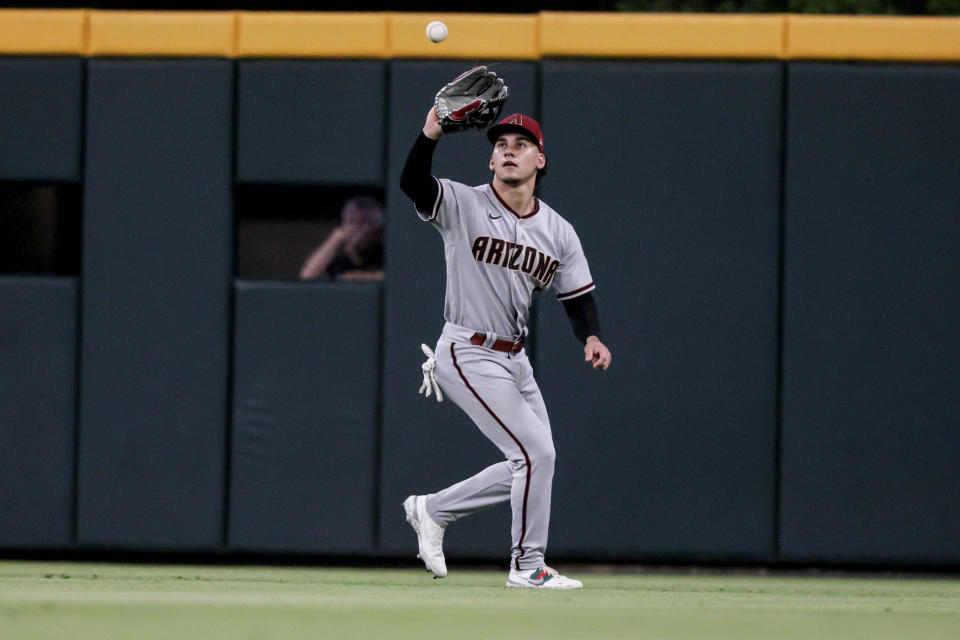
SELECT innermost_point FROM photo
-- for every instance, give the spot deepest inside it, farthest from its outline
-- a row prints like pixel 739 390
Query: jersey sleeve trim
pixel 436 205
pixel 576 292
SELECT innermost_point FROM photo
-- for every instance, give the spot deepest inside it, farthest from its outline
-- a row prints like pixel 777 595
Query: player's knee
pixel 518 464
pixel 543 456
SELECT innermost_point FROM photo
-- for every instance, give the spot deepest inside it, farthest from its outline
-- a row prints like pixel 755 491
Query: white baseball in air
pixel 436 31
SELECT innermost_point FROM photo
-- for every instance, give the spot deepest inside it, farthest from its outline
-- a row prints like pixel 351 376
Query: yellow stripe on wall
pixel 873 38
pixel 631 35
pixel 42 31
pixel 312 35
pixel 162 33
pixel 480 37
pixel 476 37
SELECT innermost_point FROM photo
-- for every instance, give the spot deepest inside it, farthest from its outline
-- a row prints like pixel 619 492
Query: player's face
pixel 515 159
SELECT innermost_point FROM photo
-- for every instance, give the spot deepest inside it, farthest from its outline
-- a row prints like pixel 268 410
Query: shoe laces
pixel 439 540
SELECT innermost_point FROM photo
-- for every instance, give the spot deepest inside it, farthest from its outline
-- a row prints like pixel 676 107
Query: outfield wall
pixel 771 218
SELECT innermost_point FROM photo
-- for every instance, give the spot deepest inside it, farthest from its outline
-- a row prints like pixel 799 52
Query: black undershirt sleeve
pixel 416 180
pixel 582 312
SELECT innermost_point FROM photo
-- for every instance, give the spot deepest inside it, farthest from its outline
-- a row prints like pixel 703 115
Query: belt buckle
pixel 516 346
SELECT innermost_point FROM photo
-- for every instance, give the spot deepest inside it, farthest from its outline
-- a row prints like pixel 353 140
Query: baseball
pixel 436 31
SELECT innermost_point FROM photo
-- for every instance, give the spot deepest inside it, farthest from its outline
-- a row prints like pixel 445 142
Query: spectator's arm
pixel 320 259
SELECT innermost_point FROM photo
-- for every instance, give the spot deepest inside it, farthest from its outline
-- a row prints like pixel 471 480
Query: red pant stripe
pixel 526 489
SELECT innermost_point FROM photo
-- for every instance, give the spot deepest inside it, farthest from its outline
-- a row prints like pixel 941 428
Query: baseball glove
pixel 472 100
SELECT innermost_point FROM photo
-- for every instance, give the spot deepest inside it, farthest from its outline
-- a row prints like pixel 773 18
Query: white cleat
pixel 429 535
pixel 542 578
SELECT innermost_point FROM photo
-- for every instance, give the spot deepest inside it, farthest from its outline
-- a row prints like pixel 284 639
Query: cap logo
pixel 532 130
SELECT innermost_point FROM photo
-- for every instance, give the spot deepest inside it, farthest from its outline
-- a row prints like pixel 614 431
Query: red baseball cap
pixel 519 123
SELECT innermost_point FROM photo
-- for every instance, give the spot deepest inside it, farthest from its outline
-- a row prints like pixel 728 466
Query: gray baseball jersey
pixel 498 261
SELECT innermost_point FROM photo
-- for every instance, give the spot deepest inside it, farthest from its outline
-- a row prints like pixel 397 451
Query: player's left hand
pixel 597 353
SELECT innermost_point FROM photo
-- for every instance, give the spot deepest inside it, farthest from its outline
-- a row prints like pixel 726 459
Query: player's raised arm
pixel 416 180
pixel 471 100
pixel 432 128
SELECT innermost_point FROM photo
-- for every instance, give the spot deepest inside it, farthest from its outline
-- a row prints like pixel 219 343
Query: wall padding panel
pixel 155 303
pixel 38 325
pixel 670 453
pixel 872 315
pixel 310 122
pixel 305 415
pixel 428 446
pixel 40 118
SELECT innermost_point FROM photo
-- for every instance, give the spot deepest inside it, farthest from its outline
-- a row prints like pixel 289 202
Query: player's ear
pixel 541 161
pixel 491 162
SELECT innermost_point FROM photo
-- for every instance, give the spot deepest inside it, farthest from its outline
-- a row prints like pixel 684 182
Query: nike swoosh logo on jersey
pixel 493 217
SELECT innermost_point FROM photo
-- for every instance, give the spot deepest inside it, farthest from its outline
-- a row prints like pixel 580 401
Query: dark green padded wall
pixel 40 119
pixel 872 315
pixel 674 193
pixel 155 303
pixel 40 131
pixel 305 417
pixel 38 337
pixel 675 189
pixel 310 122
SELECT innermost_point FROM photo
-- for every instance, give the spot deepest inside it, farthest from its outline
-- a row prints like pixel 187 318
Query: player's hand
pixel 431 128
pixel 597 353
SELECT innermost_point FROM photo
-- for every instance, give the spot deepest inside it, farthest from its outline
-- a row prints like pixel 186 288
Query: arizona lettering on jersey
pixel 516 257
pixel 498 261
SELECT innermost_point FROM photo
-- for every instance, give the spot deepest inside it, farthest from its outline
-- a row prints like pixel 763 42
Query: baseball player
pixel 503 247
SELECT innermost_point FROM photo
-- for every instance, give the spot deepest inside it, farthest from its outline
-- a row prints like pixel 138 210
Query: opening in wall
pixel 309 232
pixel 40 228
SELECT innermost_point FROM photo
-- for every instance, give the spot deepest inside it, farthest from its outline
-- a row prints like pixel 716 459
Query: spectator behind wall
pixel 354 250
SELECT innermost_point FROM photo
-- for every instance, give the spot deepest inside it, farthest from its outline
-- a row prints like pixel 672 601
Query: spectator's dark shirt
pixel 371 259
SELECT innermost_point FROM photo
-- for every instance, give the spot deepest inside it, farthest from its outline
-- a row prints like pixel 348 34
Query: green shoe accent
pixel 539 577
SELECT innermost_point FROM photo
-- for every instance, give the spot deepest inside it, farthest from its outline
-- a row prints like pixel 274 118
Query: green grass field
pixel 107 601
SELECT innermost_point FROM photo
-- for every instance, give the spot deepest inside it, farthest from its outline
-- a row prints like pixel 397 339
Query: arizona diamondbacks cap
pixel 519 123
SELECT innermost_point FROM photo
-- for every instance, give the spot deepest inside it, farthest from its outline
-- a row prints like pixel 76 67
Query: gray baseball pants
pixel 499 393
